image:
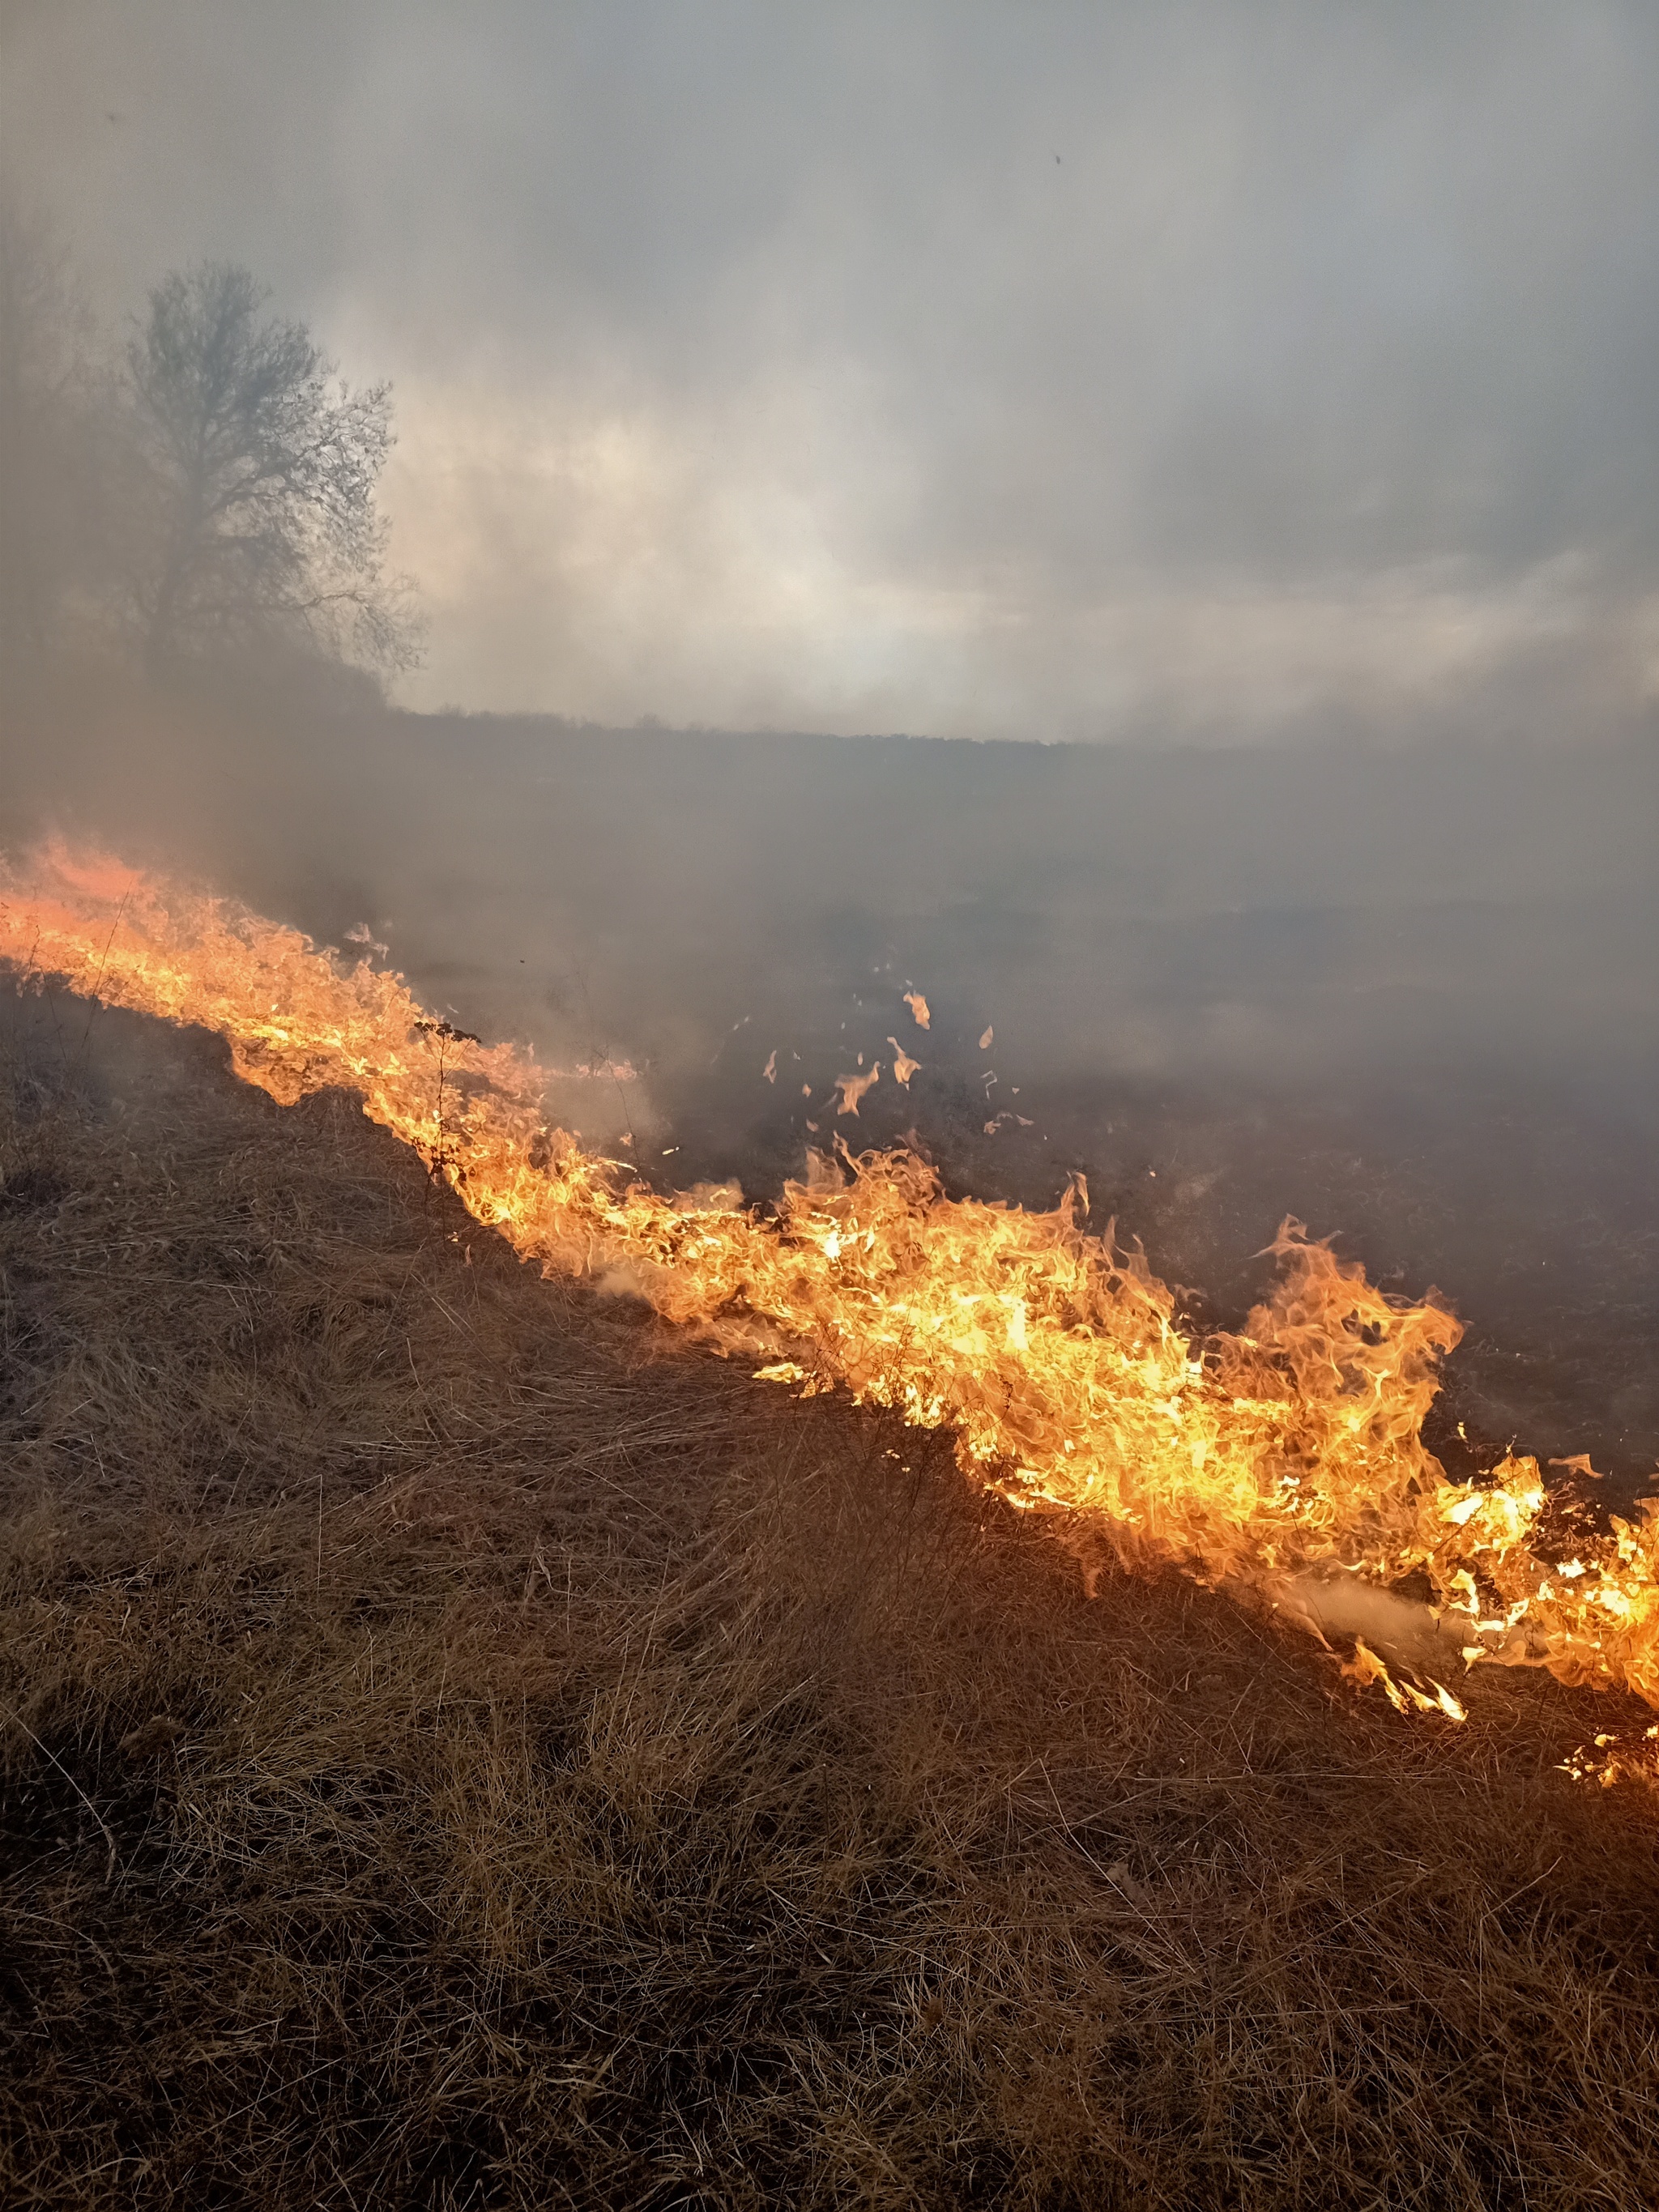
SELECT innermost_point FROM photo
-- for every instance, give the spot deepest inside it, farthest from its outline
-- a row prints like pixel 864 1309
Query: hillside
pixel 463 1748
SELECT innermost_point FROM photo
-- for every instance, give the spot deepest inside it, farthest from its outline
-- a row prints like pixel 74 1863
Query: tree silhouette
pixel 262 474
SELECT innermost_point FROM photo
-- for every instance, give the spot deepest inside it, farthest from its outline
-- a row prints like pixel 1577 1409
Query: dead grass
pixel 462 1750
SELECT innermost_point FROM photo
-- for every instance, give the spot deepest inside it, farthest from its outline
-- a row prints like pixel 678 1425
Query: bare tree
pixel 263 471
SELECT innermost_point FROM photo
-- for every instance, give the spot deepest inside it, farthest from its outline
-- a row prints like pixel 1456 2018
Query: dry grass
pixel 461 1750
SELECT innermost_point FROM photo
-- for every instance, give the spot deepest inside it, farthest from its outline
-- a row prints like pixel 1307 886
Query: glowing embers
pixel 1294 1446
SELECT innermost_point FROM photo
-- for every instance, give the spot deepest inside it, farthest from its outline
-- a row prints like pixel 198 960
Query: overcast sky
pixel 1103 371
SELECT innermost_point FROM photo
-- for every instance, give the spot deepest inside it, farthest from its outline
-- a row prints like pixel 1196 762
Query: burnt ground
pixel 461 1750
pixel 1535 1211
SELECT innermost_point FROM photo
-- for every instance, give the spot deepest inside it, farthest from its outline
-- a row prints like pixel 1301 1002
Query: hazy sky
pixel 1024 370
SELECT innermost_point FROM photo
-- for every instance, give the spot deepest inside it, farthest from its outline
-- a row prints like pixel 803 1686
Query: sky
pixel 1212 373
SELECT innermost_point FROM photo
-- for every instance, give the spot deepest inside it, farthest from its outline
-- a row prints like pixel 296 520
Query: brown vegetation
pixel 462 1750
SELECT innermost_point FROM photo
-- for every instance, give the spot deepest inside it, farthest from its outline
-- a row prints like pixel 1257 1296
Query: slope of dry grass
pixel 461 1749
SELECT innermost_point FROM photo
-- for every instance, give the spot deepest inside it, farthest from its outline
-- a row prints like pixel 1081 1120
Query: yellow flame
pixel 1057 1359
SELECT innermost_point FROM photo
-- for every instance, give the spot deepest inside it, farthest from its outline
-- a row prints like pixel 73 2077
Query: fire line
pixel 1292 1447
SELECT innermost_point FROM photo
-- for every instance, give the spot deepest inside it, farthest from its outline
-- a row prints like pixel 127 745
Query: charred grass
pixel 463 1749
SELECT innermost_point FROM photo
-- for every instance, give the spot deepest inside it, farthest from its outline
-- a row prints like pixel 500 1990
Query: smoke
pixel 1406 994
pixel 1268 391
pixel 1199 372
pixel 1402 1629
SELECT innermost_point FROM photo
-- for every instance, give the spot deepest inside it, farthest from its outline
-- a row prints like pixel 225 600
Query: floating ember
pixel 853 1087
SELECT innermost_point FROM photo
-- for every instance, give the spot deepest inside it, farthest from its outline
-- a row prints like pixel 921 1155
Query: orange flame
pixel 1293 1446
pixel 853 1088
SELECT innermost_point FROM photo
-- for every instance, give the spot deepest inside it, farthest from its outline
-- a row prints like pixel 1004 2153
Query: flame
pixel 903 1067
pixel 853 1088
pixel 1292 1447
pixel 1402 1695
pixel 918 1005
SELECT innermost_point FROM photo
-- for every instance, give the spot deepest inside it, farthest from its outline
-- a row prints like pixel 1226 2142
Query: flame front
pixel 1057 1361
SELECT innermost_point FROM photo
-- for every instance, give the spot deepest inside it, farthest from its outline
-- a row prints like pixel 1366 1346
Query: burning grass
pixel 462 1750
pixel 1282 1457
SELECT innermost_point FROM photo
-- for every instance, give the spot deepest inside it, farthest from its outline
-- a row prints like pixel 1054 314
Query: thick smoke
pixel 1195 371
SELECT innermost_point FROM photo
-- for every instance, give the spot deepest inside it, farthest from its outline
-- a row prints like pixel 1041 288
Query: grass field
pixel 463 1749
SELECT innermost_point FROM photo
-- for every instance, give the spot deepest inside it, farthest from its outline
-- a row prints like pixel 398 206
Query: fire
pixel 853 1087
pixel 1292 1449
